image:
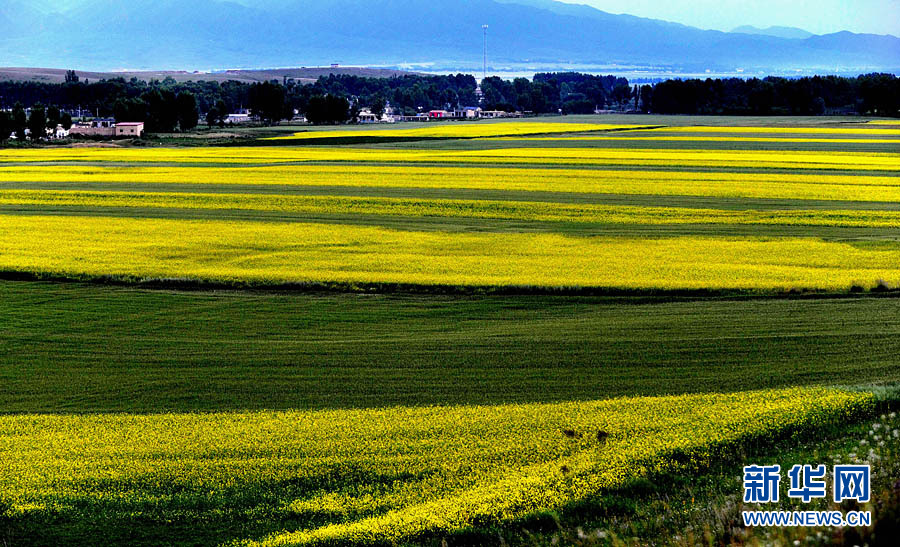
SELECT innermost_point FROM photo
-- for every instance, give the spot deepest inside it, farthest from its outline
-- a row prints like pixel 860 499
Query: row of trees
pixel 137 100
pixel 569 92
pixel 100 97
pixel 272 102
pixel 161 110
pixel 546 93
pixel 166 105
pixel 37 123
pixel 576 93
pixel 874 94
pixel 407 94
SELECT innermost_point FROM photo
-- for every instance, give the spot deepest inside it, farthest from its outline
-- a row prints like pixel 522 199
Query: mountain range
pixel 215 34
pixel 791 33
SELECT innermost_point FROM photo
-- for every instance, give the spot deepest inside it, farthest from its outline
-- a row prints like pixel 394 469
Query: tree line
pixel 573 93
pixel 407 94
pixel 167 105
pixel 557 92
pixel 868 94
pixel 41 119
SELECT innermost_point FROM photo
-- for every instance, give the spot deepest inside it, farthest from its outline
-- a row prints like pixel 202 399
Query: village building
pixel 239 117
pixel 107 127
pixel 130 129
pixel 492 114
pixel 468 113
pixel 366 116
pixel 391 114
pixel 416 118
pixel 100 127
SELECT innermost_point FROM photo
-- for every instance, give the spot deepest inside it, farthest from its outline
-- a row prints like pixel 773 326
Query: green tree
pixel 65 119
pixel 622 94
pixel 818 106
pixel 222 109
pixel 327 109
pixel 130 110
pixel 162 113
pixel 37 122
pixel 544 98
pixel 578 105
pixel 186 104
pixel 646 97
pixel 378 106
pixel 71 76
pixel 53 116
pixel 267 102
pixel 19 121
pixel 6 125
pixel 213 117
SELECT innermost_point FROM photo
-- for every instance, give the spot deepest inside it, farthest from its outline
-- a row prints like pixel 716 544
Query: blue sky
pixel 818 16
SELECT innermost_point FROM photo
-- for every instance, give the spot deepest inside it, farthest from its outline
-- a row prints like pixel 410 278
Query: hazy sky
pixel 818 16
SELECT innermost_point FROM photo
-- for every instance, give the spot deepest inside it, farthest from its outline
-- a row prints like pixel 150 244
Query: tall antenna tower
pixel 484 71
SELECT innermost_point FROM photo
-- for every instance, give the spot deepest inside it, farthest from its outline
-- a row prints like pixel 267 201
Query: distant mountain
pixel 13 12
pixel 790 33
pixel 210 34
pixel 582 10
pixel 304 75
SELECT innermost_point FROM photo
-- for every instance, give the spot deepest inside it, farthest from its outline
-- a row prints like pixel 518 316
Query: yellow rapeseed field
pixel 321 215
pixel 706 138
pixel 533 179
pixel 307 252
pixel 874 161
pixel 778 130
pixel 376 476
pixel 464 130
pixel 395 475
pixel 870 161
pixel 445 208
pixel 64 181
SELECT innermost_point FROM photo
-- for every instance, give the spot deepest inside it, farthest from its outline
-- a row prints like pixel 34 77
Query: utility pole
pixel 484 72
